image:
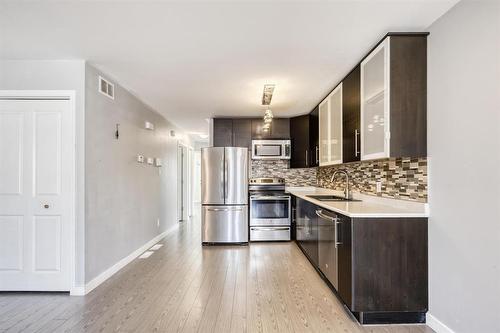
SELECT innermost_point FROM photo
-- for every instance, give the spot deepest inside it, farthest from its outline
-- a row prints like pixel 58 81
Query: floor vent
pixel 106 88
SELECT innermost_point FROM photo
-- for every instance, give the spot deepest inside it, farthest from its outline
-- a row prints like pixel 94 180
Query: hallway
pixel 184 287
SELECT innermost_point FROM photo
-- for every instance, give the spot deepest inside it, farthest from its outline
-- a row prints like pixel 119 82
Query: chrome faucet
pixel 347 191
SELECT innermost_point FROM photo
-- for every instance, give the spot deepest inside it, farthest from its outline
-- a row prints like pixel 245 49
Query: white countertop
pixel 369 206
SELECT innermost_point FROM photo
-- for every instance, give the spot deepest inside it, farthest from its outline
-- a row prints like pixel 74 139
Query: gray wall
pixel 124 199
pixel 464 167
pixel 57 75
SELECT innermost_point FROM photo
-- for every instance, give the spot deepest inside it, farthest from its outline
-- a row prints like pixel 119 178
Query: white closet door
pixel 36 194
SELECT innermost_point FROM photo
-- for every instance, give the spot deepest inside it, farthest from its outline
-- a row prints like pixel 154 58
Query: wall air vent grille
pixel 106 88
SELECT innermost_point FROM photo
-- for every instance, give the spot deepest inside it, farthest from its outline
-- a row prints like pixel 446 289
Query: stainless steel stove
pixel 270 210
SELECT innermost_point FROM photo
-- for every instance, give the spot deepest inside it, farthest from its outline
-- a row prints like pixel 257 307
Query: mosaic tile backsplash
pixel 281 168
pixel 401 178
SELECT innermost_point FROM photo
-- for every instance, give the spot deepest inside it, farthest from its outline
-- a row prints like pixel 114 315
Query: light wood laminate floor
pixel 184 287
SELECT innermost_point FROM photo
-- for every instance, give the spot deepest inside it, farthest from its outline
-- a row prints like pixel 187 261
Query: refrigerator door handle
pixel 268 229
pixel 225 209
pixel 225 180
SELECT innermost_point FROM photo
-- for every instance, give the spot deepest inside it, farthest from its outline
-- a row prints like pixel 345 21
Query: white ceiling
pixel 194 60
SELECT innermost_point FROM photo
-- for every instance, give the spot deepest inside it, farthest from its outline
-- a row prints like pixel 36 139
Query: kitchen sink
pixel 327 197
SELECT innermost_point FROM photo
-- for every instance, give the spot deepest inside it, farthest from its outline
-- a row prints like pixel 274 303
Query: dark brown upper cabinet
pixel 258 131
pixel 239 132
pixel 223 132
pixel 394 98
pixel 242 132
pixel 299 133
pixel 351 122
pixel 304 137
pixel 280 129
pixel 314 137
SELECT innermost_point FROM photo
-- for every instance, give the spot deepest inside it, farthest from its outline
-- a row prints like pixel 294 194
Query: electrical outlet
pixel 378 187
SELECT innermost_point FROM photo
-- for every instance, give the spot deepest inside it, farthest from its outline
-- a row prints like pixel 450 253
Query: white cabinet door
pixel 36 194
pixel 375 134
pixel 336 126
pixel 324 132
pixel 330 128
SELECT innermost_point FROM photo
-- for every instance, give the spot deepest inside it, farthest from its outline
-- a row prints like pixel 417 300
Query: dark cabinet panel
pixel 408 98
pixel 314 137
pixel 304 133
pixel 307 229
pixel 280 128
pixel 242 132
pixel 389 258
pixel 327 249
pixel 345 260
pixel 299 134
pixel 351 114
pixel 258 132
pixel 223 132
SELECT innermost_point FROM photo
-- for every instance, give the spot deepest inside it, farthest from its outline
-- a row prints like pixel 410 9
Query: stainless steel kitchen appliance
pixel 271 149
pixel 224 195
pixel 270 210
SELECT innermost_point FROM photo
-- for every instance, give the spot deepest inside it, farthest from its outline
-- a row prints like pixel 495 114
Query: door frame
pixel 181 181
pixel 70 96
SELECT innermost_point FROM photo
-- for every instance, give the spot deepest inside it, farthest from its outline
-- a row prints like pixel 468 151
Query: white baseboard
pixel 436 324
pixel 77 291
pixel 91 285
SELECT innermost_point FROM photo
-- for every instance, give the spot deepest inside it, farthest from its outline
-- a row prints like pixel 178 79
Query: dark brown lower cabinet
pixel 328 245
pixel 377 266
pixel 307 229
pixel 389 269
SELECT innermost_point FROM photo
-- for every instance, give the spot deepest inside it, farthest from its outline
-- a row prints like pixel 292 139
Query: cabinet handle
pixel 307 159
pixel 356 134
pixel 337 242
pixel 317 154
pixel 319 212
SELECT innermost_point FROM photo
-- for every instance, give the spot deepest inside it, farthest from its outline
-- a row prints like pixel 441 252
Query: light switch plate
pixel 158 162
pixel 150 160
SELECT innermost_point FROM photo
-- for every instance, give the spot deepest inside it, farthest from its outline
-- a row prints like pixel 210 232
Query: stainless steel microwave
pixel 271 149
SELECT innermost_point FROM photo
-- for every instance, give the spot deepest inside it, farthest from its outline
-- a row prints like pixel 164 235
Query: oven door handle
pixel 277 197
pixel 269 229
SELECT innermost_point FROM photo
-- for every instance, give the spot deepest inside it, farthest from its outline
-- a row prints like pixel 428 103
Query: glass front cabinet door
pixel 375 134
pixel 330 128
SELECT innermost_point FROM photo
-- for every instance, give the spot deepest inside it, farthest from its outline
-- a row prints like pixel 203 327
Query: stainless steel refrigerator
pixel 224 195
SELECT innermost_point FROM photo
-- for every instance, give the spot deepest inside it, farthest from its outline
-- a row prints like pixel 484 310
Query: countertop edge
pixel 401 214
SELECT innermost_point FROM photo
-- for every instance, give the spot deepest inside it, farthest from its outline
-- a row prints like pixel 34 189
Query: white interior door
pixel 36 194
